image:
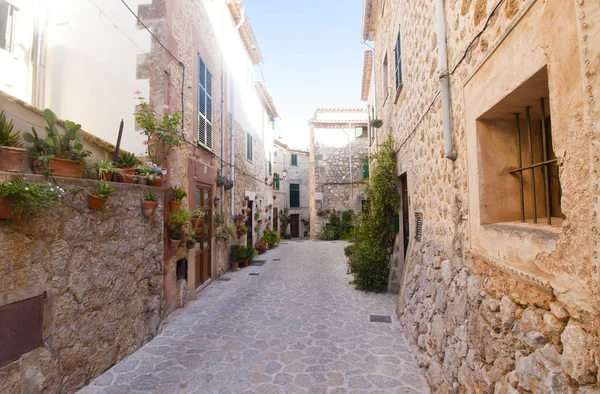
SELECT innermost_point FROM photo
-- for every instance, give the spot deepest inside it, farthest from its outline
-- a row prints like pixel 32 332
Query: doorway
pixel 295 225
pixel 203 263
pixel 275 220
pixel 404 204
pixel 250 222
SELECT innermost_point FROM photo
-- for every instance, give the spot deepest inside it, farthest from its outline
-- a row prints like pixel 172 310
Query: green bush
pixel 271 238
pixel 329 233
pixel 370 264
pixel 349 250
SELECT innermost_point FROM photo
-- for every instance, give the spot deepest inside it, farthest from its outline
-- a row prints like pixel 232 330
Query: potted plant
pixel 238 254
pixel 58 154
pixel 239 219
pixel 106 169
pixel 219 219
pixel 149 204
pixel 18 196
pixel 198 217
pixel 221 180
pixel 241 230
pixel 163 132
pixel 176 224
pixel 256 214
pixel 191 239
pixel 101 195
pixel 127 162
pixel 12 152
pixel 176 194
pixel 228 184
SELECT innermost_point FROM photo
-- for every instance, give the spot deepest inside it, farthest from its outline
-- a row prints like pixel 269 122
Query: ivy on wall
pixel 370 262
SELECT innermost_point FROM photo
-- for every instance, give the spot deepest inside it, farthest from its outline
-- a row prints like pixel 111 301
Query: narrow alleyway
pixel 296 327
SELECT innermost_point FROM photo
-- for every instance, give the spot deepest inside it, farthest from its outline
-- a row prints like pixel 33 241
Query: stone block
pixel 579 349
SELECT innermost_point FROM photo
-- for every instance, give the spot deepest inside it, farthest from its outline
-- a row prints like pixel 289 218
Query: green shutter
pixel 396 222
pixel 365 168
pixel 276 181
pixel 294 195
pixel 249 146
pixel 294 159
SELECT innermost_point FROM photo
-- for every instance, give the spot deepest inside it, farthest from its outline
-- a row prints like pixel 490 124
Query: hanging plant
pixel 377 123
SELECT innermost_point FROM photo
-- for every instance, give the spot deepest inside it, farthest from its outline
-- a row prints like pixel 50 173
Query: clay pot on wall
pixel 11 159
pixel 174 206
pixel 174 243
pixel 244 203
pixel 106 176
pixel 127 176
pixel 149 208
pixel 191 245
pixel 63 167
pixel 97 203
pixel 7 211
pixel 197 222
pixel 159 181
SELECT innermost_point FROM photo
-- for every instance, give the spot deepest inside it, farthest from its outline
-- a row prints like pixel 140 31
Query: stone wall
pixel 341 189
pixel 101 273
pixel 480 323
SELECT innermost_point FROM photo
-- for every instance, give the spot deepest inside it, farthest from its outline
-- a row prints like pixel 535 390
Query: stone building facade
pixel 339 154
pixel 493 301
pixel 293 192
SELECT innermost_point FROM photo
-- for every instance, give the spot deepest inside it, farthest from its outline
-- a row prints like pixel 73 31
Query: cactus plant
pixel 7 137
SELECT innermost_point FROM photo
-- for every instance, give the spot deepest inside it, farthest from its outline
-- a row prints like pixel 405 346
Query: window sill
pixel 528 228
pixel 398 93
pixel 206 148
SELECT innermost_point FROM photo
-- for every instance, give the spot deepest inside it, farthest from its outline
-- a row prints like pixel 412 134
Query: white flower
pixel 10 183
pixel 26 188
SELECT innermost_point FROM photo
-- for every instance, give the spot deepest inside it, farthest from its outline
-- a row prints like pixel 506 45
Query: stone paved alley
pixel 297 327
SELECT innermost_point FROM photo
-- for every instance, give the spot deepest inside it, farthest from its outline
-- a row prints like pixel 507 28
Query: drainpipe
pixel 231 123
pixel 444 79
pixel 372 49
pixel 222 117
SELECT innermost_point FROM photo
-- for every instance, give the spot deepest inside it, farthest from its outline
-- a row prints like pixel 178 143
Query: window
pixel 276 181
pixel 294 159
pixel 385 77
pixel 294 195
pixel 398 53
pixel 270 164
pixel 7 25
pixel 360 132
pixel 249 146
pixel 204 105
pixel 518 168
pixel 365 168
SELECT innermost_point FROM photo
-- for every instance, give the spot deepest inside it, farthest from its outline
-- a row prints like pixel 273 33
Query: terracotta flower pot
pixel 245 263
pixel 244 203
pixel 106 176
pixel 197 222
pixel 191 245
pixel 174 206
pixel 142 181
pixel 65 168
pixel 149 208
pixel 174 243
pixel 11 159
pixel 127 176
pixel 7 211
pixel 235 266
pixel 158 182
pixel 97 203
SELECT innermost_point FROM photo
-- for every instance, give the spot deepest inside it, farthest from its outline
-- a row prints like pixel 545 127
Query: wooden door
pixel 295 226
pixel 203 262
pixel 275 220
pixel 250 222
pixel 405 221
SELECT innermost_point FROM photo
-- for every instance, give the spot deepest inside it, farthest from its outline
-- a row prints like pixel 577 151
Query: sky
pixel 313 58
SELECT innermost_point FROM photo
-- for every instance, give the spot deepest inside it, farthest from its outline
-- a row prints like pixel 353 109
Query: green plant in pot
pixel 58 154
pixel 176 226
pixel 101 195
pixel 176 194
pixel 106 169
pixel 198 218
pixel 127 163
pixel 19 196
pixel 12 152
pixel 191 240
pixel 149 204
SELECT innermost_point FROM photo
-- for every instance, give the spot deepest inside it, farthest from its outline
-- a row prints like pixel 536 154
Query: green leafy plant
pixel 370 263
pixel 106 167
pixel 177 222
pixel 127 160
pixel 150 196
pixel 177 193
pixel 163 132
pixel 7 136
pixel 104 190
pixel 198 213
pixel 349 250
pixel 25 195
pixel 271 238
pixel 191 238
pixel 219 219
pixel 239 253
pixel 329 233
pixel 65 146
pixel 232 231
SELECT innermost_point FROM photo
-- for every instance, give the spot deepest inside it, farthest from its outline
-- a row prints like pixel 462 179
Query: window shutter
pixel 396 218
pixel 294 195
pixel 365 168
pixel 277 181
pixel 294 159
pixel 205 104
pixel 398 52
pixel 249 146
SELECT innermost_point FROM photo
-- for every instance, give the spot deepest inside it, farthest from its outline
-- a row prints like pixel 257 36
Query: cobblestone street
pixel 296 327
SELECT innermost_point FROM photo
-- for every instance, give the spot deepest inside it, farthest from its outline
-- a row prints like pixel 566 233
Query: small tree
pixel 370 263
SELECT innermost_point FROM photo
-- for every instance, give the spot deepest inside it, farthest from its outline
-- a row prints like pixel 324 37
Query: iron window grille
pixel 205 104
